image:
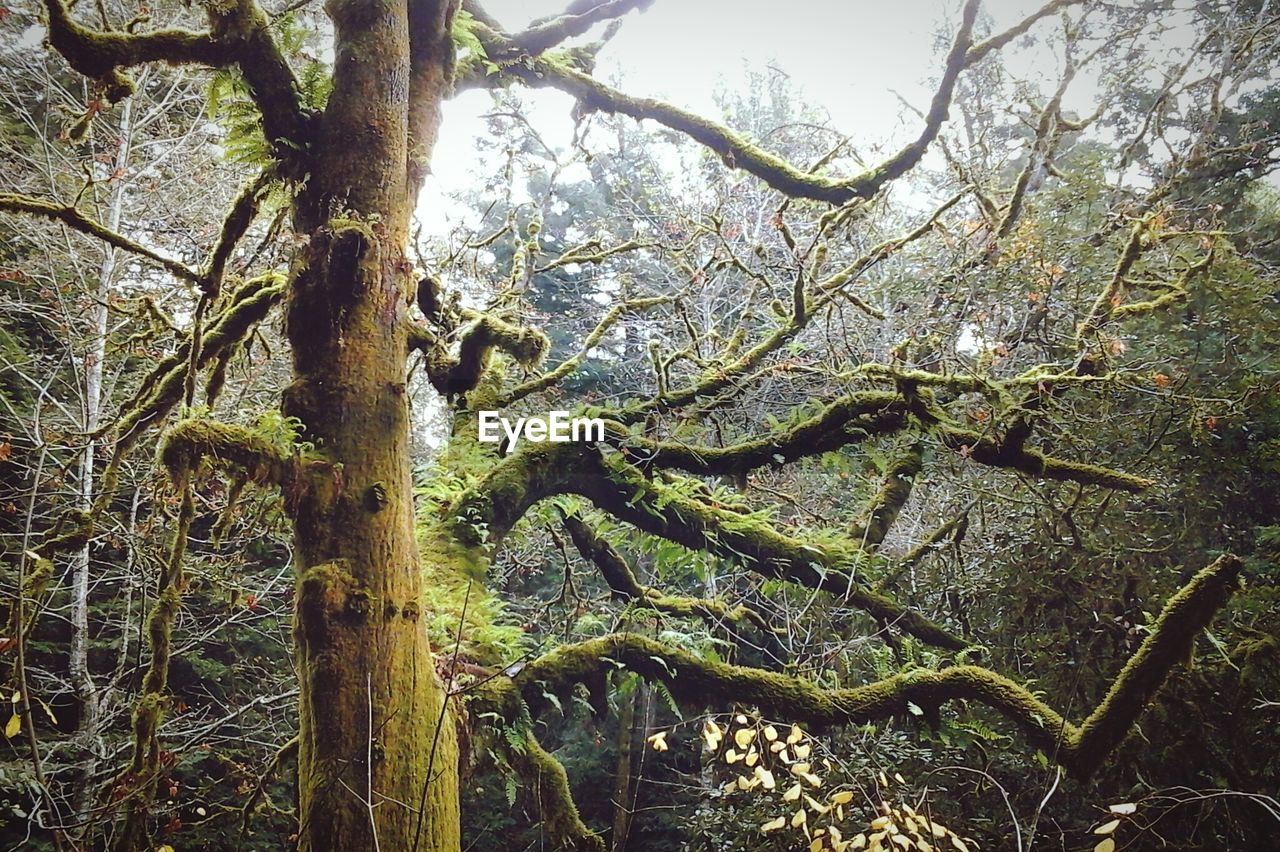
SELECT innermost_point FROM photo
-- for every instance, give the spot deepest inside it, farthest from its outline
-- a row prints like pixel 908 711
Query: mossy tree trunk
pixel 377 757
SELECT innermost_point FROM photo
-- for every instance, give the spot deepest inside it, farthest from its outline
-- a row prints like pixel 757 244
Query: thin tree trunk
pixel 81 676
pixel 623 801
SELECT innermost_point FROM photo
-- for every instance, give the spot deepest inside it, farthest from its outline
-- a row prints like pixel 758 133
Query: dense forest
pixel 935 502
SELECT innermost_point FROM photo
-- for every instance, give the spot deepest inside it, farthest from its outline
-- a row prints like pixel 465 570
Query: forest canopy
pixel 929 353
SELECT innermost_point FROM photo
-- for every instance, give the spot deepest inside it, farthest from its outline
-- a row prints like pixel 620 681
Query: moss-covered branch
pixel 848 420
pixel 479 339
pixel 238 35
pixel 750 540
pixel 1080 750
pixel 163 386
pixel 74 219
pixel 191 442
pixel 988 450
pixel 234 226
pixel 734 149
pixel 623 584
pixel 544 35
pixel 564 368
pixel 544 779
pixel 136 787
pixel 102 55
pixel 894 491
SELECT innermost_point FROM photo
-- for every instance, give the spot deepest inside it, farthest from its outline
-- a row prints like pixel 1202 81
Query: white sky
pixel 847 57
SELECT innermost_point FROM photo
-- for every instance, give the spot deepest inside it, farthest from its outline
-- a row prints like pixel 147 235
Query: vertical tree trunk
pixel 377 757
pixel 81 677
pixel 623 799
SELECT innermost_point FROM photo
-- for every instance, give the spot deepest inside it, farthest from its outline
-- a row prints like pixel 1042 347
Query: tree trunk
pixel 623 800
pixel 81 677
pixel 377 756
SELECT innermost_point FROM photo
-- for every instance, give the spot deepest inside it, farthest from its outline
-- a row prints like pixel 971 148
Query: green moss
pixel 191 442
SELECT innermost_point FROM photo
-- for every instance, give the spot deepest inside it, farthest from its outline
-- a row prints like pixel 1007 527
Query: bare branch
pixel 74 219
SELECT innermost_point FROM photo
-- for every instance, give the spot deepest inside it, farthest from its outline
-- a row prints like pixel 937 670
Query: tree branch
pixel 987 450
pixel 735 150
pixel 544 35
pixel 74 219
pixel 700 683
pixel 544 777
pixel 750 540
pixel 848 420
pixel 243 211
pixel 564 368
pixel 190 442
pixel 483 334
pixel 624 585
pixel 238 35
pixel 892 495
pixel 163 386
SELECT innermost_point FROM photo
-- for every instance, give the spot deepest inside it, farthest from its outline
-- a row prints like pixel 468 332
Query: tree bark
pixel 377 756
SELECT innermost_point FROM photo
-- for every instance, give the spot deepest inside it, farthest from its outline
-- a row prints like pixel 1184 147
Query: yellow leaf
pixel 959 844
pixel 164 848
pixel 732 756
pixel 897 776
pixel 843 797
pixel 15 725
pixel 816 806
pixel 1107 827
pixel 884 782
pixel 740 719
pixel 766 778
pixel 1122 809
pixel 712 734
pixel 795 735
pixel 858 841
pixel 901 840
pixel 802 751
pixel 816 845
pixel 770 733
pixel 880 822
pixel 799 818
pixel 743 737
pixel 800 768
pixel 792 794
pixel 1107 845
pixel 777 747
pixel 752 758
pixel 48 711
pixel 773 825
pixel 811 778
pixel 659 741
